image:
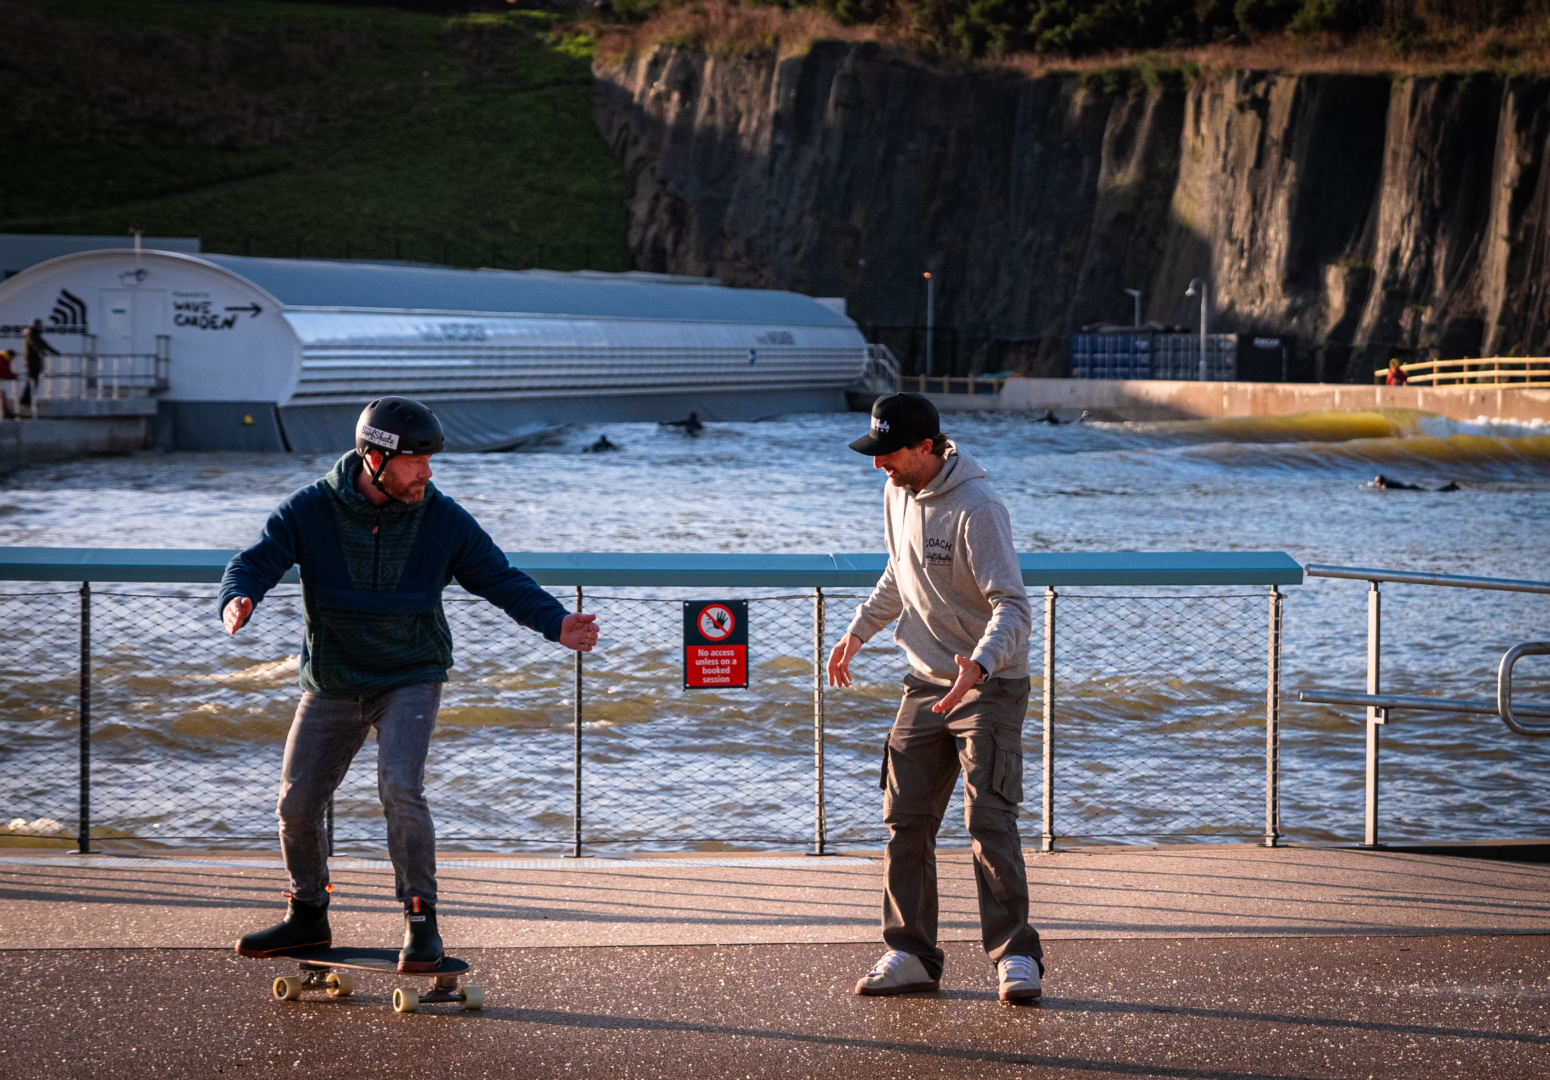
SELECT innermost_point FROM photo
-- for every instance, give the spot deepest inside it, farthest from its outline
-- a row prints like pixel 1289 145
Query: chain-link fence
pixel 1158 719
pixel 40 712
pixel 1163 699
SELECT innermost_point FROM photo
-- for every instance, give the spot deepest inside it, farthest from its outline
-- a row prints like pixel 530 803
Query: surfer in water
pixel 602 446
pixel 1385 483
pixel 1049 417
pixel 691 426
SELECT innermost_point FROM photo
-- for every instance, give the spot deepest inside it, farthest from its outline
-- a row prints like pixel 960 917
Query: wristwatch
pixel 983 673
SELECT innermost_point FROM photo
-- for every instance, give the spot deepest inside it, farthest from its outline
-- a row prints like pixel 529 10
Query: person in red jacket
pixel 8 377
pixel 1397 376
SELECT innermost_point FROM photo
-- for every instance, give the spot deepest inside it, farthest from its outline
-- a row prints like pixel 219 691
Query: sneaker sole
pixel 1021 995
pixel 264 954
pixel 890 991
pixel 416 967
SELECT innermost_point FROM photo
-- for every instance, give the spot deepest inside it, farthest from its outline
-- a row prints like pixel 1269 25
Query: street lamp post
pixel 930 317
pixel 1204 315
pixel 1135 294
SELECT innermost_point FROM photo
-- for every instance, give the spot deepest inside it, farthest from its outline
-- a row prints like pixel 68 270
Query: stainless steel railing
pixel 1379 705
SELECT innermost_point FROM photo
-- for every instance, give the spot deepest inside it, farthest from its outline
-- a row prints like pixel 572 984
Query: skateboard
pixel 329 970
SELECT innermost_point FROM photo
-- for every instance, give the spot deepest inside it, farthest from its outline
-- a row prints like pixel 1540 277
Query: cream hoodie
pixel 953 580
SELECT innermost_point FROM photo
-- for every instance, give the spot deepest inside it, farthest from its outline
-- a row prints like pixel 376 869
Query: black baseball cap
pixel 899 420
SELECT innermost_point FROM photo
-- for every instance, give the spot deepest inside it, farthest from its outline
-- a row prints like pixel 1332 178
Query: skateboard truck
pixel 322 971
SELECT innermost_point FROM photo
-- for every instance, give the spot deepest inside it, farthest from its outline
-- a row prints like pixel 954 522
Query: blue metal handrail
pixel 602 569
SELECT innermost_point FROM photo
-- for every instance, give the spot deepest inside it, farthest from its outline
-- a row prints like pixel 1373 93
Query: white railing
pixel 880 374
pixel 93 376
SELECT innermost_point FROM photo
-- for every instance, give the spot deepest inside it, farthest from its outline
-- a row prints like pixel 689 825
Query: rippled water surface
pixel 1287 484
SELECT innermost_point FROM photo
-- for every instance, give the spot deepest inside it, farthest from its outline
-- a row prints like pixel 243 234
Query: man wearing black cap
pixel 376 544
pixel 955 587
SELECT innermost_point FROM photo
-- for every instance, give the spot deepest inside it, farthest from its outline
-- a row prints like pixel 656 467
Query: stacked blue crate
pixel 1081 355
pixel 1100 360
pixel 1111 356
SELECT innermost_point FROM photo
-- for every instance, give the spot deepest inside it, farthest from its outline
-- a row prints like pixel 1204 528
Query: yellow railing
pixel 1524 373
pixel 951 384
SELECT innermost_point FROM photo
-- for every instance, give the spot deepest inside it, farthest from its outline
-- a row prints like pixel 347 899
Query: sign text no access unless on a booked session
pixel 715 643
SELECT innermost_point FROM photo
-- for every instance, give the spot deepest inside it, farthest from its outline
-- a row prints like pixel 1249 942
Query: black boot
pixel 422 941
pixel 304 929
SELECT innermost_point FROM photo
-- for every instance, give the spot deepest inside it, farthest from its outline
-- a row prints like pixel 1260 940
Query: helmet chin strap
pixel 376 474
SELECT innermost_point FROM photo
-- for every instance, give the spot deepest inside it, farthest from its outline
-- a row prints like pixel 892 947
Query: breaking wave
pixel 1482 448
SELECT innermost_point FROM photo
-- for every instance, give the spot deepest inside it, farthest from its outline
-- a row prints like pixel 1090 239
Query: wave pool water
pixel 1295 484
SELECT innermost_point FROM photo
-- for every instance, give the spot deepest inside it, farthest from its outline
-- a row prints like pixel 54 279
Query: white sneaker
pixel 896 973
pixel 1019 978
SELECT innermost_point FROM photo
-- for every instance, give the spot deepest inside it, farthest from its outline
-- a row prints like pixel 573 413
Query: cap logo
pixel 879 425
pixel 380 437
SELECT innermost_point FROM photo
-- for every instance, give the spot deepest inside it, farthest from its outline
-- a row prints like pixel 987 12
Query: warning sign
pixel 716 643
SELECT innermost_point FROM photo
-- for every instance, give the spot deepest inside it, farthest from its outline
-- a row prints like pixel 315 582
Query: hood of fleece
pixel 341 481
pixel 959 468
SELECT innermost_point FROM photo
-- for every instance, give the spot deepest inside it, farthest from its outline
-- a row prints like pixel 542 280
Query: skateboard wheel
pixel 339 984
pixel 287 988
pixel 473 997
pixel 406 1001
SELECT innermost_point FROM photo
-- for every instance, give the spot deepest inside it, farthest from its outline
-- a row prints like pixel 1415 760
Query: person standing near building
pixel 1396 375
pixel 954 584
pixel 376 543
pixel 35 349
pixel 8 377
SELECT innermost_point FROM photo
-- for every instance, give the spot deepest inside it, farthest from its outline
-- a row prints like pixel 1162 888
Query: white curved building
pixel 280 354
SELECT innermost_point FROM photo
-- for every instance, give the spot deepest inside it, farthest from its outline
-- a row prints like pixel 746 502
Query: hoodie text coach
pixel 955 587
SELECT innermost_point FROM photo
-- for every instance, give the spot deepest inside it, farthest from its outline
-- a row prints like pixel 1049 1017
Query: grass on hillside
pixel 729 28
pixel 295 129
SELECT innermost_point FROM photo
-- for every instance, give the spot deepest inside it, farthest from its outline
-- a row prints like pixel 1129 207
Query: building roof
pixel 386 286
pixel 21 250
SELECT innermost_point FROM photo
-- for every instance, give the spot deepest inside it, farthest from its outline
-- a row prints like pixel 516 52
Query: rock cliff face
pixel 1371 217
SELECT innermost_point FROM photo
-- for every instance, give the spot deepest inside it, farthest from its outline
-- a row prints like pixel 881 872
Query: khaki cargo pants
pixel 983 736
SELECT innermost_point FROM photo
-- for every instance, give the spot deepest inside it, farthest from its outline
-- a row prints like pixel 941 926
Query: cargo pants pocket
pixel 882 774
pixel 1007 774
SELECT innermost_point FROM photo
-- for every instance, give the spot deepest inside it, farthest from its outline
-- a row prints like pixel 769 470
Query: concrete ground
pixel 1207 961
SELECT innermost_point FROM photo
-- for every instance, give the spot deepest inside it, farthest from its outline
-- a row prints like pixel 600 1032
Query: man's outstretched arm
pixel 483 570
pixel 252 573
pixel 873 614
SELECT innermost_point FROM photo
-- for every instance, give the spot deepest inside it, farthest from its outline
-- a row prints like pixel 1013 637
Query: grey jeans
pixel 324 738
pixel 983 736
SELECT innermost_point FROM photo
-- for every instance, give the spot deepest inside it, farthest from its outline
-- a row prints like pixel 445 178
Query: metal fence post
pixel 83 834
pixel 576 763
pixel 1047 837
pixel 1273 724
pixel 1375 716
pixel 820 823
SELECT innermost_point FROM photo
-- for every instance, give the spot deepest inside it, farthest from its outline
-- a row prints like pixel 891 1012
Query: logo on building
pixel 69 314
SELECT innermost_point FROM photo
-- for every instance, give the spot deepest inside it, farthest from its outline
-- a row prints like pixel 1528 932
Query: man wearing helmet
pixel 376 544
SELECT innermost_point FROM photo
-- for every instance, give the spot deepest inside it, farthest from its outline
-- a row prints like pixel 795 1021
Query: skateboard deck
pixel 328 970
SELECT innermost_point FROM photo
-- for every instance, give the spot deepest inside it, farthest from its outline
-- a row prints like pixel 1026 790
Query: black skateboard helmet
pixel 393 426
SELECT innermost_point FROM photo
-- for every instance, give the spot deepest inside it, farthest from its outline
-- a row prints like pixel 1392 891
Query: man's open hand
pixel 579 632
pixel 839 660
pixel 969 673
pixel 236 614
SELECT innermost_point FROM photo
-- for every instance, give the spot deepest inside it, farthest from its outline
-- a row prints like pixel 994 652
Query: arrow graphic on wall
pixel 254 308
